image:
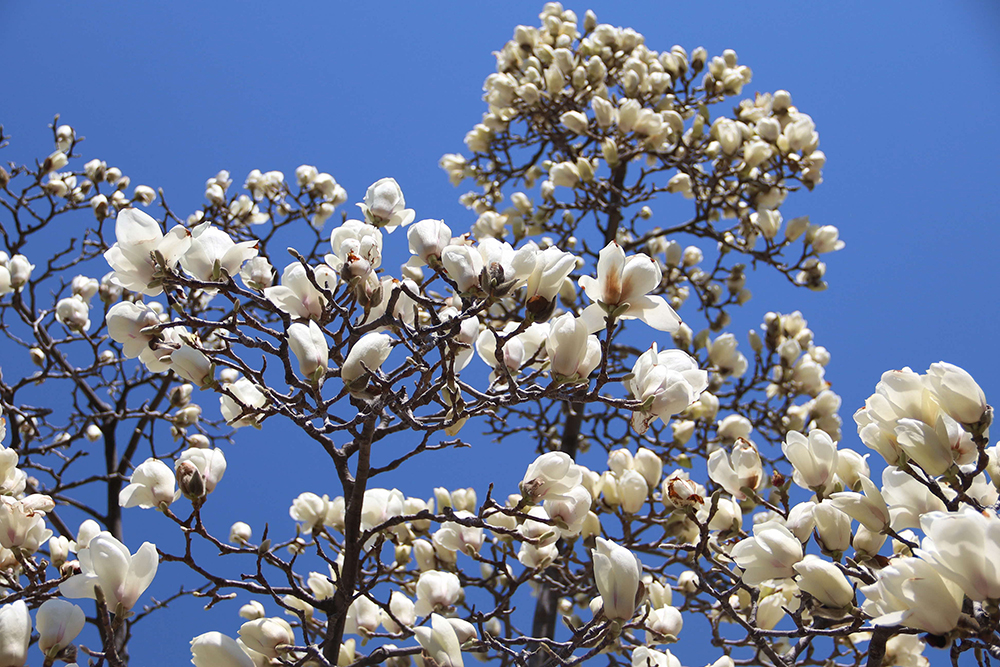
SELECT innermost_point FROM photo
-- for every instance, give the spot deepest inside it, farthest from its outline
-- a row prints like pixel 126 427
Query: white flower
pixel 965 547
pixel 570 511
pixel 911 592
pixel 771 553
pixel 15 634
pixel 369 352
pixel 192 365
pixel 384 205
pixel 668 381
pixel 742 469
pixel 268 636
pixel 643 656
pixel 199 470
pixel 824 581
pixel 551 475
pixel 957 393
pixel 573 353
pixel 106 562
pixel 428 239
pixel 58 623
pixel 150 486
pixel 440 642
pixel 214 649
pixel 139 240
pixel 617 572
pixel 213 252
pixel 464 265
pixel 868 509
pixel 725 357
pixel 297 296
pixel 257 273
pixel 458 537
pixel 552 267
pixel 240 533
pixel 245 397
pixel 621 290
pixel 814 458
pixel 310 511
pixel 126 321
pixel 74 313
pixel 355 241
pixel 436 590
pixel 310 348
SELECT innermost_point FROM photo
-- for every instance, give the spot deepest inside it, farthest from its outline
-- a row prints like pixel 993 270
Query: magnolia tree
pixel 696 485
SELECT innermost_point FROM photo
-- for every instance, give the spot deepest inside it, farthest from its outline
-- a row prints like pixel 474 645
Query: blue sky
pixel 904 96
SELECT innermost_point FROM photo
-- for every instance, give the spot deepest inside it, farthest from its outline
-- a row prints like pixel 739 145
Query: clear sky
pixel 904 95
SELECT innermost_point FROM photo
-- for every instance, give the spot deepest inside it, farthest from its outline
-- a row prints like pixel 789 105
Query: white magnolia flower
pixel 355 241
pixel 107 563
pixel 957 393
pixel 384 205
pixel 965 548
pixel 267 636
pixel 297 296
pixel 868 509
pixel 213 252
pixel 621 290
pixel 551 475
pixel 668 381
pixel 573 352
pixel 436 590
pixel 199 470
pixel 126 321
pixel 150 486
pixel 369 352
pixel 15 633
pixel 214 649
pixel 771 553
pixel 824 581
pixel 239 402
pixel 140 243
pixel 742 469
pixel 617 572
pixel 440 642
pixel 814 458
pixel 428 239
pixel 911 592
pixel 74 312
pixel 310 348
pixel 58 622
pixel 552 268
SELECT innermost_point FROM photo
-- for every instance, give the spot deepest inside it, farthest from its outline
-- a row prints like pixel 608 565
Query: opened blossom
pixel 213 254
pixel 297 296
pixel 771 553
pixel 621 291
pixel 128 324
pixel 150 486
pixel 122 576
pixel 911 592
pixel 814 458
pixel 666 382
pixel 965 548
pixel 740 469
pixel 140 245
pixel 384 205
